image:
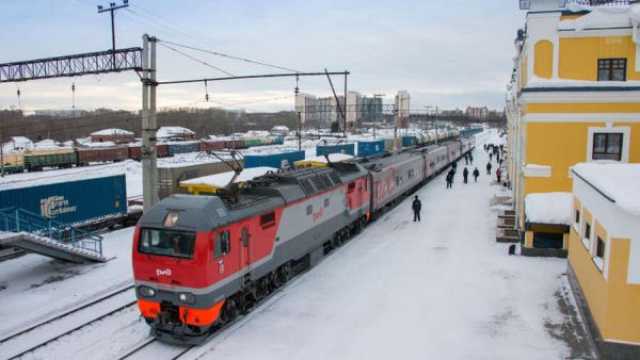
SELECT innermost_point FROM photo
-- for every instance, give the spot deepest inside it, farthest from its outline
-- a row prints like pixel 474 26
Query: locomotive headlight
pixel 186 298
pixel 146 291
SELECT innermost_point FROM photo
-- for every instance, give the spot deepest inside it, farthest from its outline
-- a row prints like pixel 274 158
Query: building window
pixel 600 248
pixel 587 231
pixel 607 146
pixel 612 69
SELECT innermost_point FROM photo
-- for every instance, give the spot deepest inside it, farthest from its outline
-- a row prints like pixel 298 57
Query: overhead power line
pixel 232 57
pixel 193 58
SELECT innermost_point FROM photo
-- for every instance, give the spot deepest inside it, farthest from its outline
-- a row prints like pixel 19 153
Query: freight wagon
pixel 85 156
pixel 348 149
pixel 135 152
pixel 211 145
pixel 183 147
pixel 36 160
pixel 169 177
pixel 278 160
pixel 72 202
pixel 370 148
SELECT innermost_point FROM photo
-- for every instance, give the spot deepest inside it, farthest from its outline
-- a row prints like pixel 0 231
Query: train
pixel 66 157
pixel 201 261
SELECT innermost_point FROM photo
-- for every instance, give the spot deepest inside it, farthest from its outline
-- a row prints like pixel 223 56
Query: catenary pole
pixel 149 123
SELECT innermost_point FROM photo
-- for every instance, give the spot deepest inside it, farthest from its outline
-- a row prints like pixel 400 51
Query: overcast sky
pixel 450 53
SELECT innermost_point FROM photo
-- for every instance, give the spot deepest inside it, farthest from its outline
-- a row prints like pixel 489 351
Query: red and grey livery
pixel 199 261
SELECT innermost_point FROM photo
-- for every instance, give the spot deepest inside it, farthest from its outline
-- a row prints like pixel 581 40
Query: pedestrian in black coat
pixel 476 173
pixel 465 174
pixel 450 176
pixel 416 206
pixel 489 168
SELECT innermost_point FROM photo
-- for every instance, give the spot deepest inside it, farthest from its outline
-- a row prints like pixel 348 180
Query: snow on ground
pixel 439 289
pixel 34 287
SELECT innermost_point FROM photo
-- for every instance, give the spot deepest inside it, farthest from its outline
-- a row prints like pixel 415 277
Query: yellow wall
pixel 562 145
pixel 590 278
pixel 543 65
pixel 579 56
pixel 624 299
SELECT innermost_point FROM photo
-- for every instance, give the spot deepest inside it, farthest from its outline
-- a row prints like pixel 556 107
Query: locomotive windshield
pixel 167 243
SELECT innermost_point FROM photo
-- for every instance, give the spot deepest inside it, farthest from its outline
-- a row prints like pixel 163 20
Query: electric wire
pixel 193 58
pixel 232 57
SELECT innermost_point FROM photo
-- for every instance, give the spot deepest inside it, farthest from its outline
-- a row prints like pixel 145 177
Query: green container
pixel 39 161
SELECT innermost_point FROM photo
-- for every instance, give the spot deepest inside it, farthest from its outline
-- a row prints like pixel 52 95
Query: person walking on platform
pixel 450 176
pixel 489 168
pixel 465 174
pixel 476 173
pixel 490 156
pixel 416 206
pixel 499 175
pixel 471 158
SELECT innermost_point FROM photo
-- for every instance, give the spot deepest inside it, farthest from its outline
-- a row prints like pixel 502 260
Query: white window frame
pixel 626 138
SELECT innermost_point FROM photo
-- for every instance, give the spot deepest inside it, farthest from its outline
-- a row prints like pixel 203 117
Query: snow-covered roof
pixel 549 208
pixel 601 17
pixel 221 180
pixel 111 132
pixel 620 182
pixel 17 143
pixel 46 143
pixel 169 131
pixel 99 144
pixel 280 128
pixel 332 157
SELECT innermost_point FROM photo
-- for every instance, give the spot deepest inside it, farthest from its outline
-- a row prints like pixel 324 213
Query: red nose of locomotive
pixel 170 257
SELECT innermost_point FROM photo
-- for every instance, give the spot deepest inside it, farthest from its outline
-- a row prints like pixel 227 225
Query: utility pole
pixel 149 123
pixel 344 130
pixel 111 9
pixel 297 93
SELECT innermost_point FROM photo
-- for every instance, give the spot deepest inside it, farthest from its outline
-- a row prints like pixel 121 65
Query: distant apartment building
pixel 481 112
pixel 322 112
pixel 403 108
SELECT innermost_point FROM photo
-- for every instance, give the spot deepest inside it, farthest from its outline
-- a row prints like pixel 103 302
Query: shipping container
pixel 211 145
pixel 36 160
pixel 102 154
pixel 73 201
pixel 408 141
pixel 169 177
pixel 183 147
pixel 348 149
pixel 370 148
pixel 277 160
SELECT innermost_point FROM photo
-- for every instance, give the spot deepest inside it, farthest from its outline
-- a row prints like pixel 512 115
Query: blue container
pixel 322 150
pixel 277 161
pixel 370 148
pixel 182 148
pixel 278 140
pixel 408 141
pixel 466 132
pixel 80 201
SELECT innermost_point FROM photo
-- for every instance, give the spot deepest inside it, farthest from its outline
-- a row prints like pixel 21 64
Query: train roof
pixel 263 194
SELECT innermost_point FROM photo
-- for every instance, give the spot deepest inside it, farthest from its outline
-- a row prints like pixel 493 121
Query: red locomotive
pixel 200 261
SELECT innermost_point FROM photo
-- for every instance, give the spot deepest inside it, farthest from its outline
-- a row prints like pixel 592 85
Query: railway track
pixel 69 322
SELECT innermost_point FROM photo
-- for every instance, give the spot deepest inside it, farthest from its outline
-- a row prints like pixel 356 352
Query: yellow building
pixel 604 255
pixel 574 95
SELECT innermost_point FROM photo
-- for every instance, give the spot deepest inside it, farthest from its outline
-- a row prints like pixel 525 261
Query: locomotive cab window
pixel 268 220
pixel 170 243
pixel 222 244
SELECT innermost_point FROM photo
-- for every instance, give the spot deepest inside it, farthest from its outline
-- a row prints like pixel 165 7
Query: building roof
pixel 549 208
pixel 620 183
pixel 111 132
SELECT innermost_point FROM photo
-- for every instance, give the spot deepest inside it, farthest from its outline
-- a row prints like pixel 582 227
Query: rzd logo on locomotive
pixel 163 272
pixel 55 205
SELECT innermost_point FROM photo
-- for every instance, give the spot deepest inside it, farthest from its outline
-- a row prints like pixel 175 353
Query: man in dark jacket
pixel 489 168
pixel 416 206
pixel 465 174
pixel 476 173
